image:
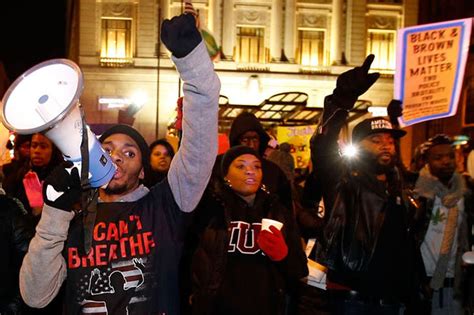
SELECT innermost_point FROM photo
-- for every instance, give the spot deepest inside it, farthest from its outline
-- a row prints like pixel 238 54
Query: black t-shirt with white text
pixel 132 265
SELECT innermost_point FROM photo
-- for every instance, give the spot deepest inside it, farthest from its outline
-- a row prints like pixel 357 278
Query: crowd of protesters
pixel 184 231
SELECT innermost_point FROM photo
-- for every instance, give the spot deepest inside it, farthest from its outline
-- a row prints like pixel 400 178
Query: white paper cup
pixel 468 257
pixel 266 223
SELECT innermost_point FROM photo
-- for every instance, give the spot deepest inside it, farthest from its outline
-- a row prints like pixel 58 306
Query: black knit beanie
pixel 233 153
pixel 135 135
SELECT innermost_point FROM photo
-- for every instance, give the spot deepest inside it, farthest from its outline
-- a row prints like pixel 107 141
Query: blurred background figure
pixel 21 154
pixel 445 230
pixel 37 158
pixel 16 231
pixel 418 160
pixel 44 156
pixel 283 158
pixel 161 154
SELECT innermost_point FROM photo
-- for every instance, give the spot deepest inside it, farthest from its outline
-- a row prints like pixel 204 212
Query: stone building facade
pixel 266 47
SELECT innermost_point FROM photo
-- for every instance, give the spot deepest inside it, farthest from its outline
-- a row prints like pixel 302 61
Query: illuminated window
pixel 116 41
pixel 311 48
pixel 250 44
pixel 381 43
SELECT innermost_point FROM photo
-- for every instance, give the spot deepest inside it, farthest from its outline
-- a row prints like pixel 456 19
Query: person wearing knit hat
pixel 247 130
pixel 252 269
pixel 132 133
pixel 235 152
pixel 131 155
pixel 136 233
pixel 137 141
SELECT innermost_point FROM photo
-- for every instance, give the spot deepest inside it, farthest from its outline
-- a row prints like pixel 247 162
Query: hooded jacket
pixel 248 122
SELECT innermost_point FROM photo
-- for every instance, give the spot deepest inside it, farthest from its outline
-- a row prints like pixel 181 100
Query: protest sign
pixel 431 59
pixel 298 137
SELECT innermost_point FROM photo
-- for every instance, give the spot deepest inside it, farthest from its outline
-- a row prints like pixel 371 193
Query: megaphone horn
pixel 46 99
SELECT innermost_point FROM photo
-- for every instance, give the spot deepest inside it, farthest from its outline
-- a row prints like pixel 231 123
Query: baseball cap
pixel 375 125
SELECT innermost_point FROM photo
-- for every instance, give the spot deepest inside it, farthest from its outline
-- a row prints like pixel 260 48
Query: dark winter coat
pixel 356 206
pixel 210 259
pixel 16 231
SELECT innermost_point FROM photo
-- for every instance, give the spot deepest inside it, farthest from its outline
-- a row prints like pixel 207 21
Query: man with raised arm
pixel 132 264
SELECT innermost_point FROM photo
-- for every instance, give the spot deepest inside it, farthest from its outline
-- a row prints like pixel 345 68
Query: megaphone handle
pixel 89 198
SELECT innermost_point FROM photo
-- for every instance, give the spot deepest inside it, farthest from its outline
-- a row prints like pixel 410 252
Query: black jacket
pixel 356 230
pixel 211 257
pixel 16 231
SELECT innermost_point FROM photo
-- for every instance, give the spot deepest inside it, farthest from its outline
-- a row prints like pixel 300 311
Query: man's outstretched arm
pixel 44 269
pixel 191 167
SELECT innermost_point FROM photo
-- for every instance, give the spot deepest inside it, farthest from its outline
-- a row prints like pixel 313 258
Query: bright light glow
pixel 139 98
pixel 114 102
pixel 378 111
pixel 349 151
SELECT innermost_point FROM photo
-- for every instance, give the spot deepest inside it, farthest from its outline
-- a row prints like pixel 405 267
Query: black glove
pixel 353 83
pixel 180 35
pixel 62 188
pixel 394 110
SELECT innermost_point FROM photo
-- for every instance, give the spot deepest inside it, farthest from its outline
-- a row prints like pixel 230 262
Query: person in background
pixel 283 158
pixel 238 268
pixel 130 265
pixel 444 233
pixel 25 184
pixel 16 232
pixel 21 149
pixel 365 241
pixel 161 154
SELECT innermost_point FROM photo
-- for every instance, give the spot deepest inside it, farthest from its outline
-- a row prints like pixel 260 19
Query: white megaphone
pixel 46 99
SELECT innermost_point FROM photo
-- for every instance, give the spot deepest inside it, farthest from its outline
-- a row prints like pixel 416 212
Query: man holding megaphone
pixel 131 266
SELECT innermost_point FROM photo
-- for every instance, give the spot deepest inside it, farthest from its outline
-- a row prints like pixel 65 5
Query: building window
pixel 250 45
pixel 381 43
pixel 116 42
pixel 311 48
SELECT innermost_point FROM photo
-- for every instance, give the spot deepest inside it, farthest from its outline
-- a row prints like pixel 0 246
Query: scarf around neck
pixel 429 186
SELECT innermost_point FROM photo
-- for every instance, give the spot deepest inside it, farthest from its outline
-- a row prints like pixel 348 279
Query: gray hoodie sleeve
pixel 191 167
pixel 44 268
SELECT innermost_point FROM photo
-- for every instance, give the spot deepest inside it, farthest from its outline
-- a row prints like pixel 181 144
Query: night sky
pixel 31 32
